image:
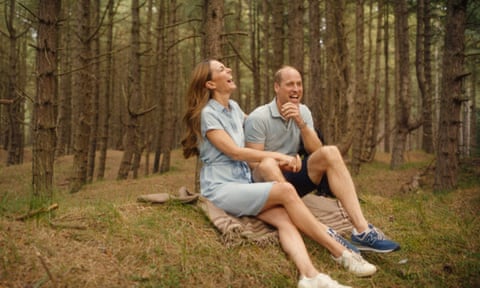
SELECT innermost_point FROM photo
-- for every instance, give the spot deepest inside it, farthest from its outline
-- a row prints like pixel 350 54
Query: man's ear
pixel 210 85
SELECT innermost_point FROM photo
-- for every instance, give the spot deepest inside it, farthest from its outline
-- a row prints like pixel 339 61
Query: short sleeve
pixel 210 121
pixel 255 129
pixel 307 116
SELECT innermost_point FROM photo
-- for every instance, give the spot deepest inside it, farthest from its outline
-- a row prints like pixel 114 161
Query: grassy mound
pixel 102 237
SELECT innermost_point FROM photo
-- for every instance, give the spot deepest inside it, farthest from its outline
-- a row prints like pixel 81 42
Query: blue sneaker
pixel 342 240
pixel 373 240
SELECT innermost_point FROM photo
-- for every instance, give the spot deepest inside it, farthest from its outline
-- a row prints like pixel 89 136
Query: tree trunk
pixel 296 37
pixel 361 112
pixel 339 89
pixel 83 94
pixel 315 57
pixel 451 98
pixel 64 120
pixel 428 132
pixel 278 38
pixel 404 125
pixel 213 29
pixel 266 27
pixel 132 137
pixel 104 102
pixel 168 133
pixel 92 149
pixel 370 147
pixel 160 68
pixel 44 119
pixel 422 50
pixel 148 79
pixel 254 56
pixel 386 97
pixel 15 109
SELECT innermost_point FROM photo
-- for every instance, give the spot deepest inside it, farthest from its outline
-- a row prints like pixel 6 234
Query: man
pixel 280 126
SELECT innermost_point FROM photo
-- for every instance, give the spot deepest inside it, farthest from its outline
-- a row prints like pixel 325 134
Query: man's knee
pixel 328 153
pixel 267 170
pixel 267 165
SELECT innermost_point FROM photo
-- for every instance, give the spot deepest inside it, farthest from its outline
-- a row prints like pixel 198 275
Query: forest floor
pixel 102 236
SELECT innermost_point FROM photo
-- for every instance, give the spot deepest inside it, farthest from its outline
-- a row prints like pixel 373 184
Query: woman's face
pixel 222 80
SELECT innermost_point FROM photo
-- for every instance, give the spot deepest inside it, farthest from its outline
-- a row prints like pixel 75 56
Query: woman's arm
pixel 223 142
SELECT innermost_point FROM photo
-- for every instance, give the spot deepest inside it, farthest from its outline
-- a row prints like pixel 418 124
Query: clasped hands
pixel 291 163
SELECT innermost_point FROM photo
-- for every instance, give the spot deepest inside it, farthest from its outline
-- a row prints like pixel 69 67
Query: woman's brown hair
pixel 197 97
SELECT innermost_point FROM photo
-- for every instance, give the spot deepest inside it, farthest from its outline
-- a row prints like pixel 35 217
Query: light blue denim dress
pixel 225 182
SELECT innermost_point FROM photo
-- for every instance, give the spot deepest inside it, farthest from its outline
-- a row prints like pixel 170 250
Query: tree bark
pixel 213 29
pixel 339 87
pixel 168 133
pixel 254 56
pixel 160 71
pixel 446 171
pixel 92 147
pixel 315 56
pixel 44 119
pixel 278 38
pixel 428 131
pixel 15 110
pixel 370 147
pixel 83 94
pixel 135 102
pixel 386 96
pixel 404 124
pixel 64 119
pixel 296 37
pixel 361 112
pixel 104 102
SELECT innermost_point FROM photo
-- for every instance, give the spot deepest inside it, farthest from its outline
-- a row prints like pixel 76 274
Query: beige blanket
pixel 240 230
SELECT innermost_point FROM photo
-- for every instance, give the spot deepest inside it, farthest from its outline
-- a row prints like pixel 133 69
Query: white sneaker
pixel 355 263
pixel 319 281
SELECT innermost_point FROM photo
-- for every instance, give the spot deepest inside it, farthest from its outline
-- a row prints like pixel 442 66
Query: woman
pixel 215 133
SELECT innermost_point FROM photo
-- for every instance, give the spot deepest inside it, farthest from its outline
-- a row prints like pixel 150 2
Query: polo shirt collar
pixel 274 109
pixel 217 106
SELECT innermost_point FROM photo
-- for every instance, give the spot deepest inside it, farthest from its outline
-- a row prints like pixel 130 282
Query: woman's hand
pixel 291 163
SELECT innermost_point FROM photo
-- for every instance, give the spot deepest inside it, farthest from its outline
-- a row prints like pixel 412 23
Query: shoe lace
pixel 375 234
pixel 338 238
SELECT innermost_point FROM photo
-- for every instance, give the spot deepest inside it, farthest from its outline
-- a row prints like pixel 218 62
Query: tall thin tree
pixel 107 94
pixel 15 108
pixel 451 99
pixel 361 112
pixel 422 66
pixel 132 140
pixel 404 122
pixel 44 112
pixel 82 98
pixel 169 120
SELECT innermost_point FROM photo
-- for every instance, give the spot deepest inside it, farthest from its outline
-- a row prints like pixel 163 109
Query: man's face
pixel 290 89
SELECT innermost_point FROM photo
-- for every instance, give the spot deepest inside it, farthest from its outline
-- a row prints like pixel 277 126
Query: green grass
pixel 102 237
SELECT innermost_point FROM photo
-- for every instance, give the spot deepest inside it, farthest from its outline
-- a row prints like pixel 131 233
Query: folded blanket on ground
pixel 241 230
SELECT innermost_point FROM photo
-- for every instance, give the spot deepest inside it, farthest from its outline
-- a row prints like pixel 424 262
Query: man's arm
pixel 310 138
pixel 257 146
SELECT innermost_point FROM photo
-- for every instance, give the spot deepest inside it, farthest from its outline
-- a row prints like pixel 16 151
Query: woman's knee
pixel 286 191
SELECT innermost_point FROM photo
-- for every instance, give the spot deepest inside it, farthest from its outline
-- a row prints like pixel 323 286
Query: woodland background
pixel 82 77
pixel 92 95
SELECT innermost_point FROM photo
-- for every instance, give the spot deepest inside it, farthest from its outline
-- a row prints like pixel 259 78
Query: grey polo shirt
pixel 266 126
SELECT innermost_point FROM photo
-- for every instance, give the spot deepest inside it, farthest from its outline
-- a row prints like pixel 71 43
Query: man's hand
pixel 291 111
pixel 293 164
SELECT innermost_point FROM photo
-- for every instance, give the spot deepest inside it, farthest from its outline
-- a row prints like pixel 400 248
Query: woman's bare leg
pixel 290 239
pixel 284 194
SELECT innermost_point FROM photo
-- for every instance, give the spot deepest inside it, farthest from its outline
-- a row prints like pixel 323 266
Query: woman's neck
pixel 222 99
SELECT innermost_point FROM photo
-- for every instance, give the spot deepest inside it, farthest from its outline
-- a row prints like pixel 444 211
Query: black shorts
pixel 304 185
